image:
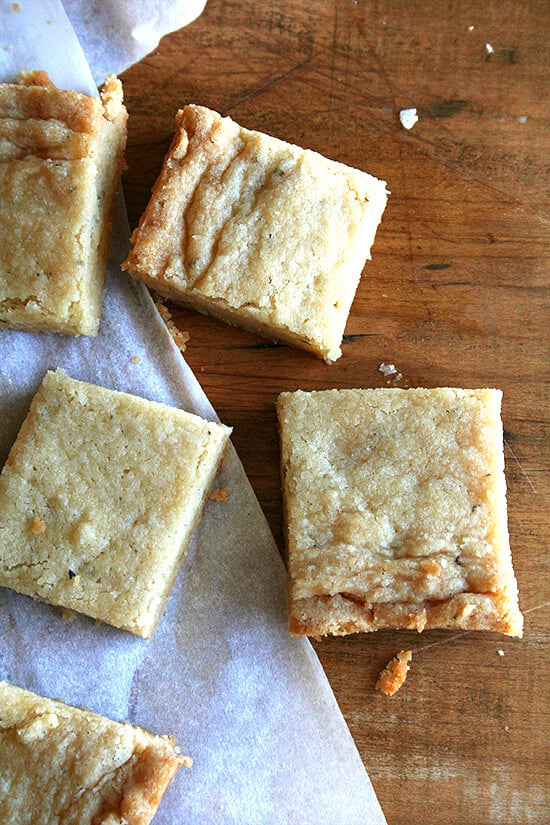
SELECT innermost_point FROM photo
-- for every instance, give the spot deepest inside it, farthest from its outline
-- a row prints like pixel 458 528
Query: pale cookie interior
pixel 395 506
pixel 258 232
pixel 62 765
pixel 61 157
pixel 99 497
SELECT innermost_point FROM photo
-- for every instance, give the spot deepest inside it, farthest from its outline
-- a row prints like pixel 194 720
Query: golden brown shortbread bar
pixel 395 506
pixel 63 765
pixel 257 232
pixel 99 497
pixel 61 157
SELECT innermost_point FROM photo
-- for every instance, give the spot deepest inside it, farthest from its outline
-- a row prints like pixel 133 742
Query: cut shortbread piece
pixel 257 232
pixel 395 507
pixel 62 765
pixel 61 157
pixel 98 499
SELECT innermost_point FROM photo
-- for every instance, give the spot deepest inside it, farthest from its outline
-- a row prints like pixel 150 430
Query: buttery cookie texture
pixel 63 765
pixel 257 232
pixel 99 497
pixel 61 157
pixel 395 511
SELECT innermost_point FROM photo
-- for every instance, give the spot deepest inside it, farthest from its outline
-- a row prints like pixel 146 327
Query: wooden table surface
pixel 456 295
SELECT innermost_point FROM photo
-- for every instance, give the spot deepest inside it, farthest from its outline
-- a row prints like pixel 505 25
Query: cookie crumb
pixel 500 652
pixel 408 118
pixel 221 494
pixel 489 49
pixel 135 360
pixel 179 337
pixel 395 673
pixel 391 371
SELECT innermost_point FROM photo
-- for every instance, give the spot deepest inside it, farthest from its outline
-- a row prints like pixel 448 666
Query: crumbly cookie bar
pixel 61 157
pixel 98 499
pixel 63 765
pixel 395 506
pixel 257 232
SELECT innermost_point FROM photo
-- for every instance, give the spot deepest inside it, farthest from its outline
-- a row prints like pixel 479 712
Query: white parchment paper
pixel 114 34
pixel 250 705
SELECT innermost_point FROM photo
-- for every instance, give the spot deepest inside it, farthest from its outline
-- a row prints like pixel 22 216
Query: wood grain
pixel 456 294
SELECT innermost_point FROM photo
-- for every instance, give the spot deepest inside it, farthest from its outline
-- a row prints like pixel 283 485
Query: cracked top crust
pixel 98 499
pixel 61 156
pixel 396 510
pixel 257 231
pixel 62 765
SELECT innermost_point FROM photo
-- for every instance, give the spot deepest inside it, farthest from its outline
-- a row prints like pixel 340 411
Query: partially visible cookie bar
pixel 257 232
pixel 61 157
pixel 63 765
pixel 98 499
pixel 395 507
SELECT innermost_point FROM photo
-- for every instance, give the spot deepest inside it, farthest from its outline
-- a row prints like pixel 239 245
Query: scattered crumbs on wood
pixel 221 494
pixel 522 119
pixel 390 371
pixel 507 728
pixel 500 652
pixel 394 674
pixel 38 526
pixel 179 337
pixel 408 118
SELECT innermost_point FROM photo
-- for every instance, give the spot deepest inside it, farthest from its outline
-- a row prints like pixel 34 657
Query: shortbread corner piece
pixel 61 158
pixel 395 511
pixel 67 765
pixel 257 232
pixel 99 497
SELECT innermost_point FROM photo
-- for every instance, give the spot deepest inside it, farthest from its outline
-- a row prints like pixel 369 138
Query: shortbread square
pixel 98 499
pixel 61 157
pixel 63 765
pixel 257 232
pixel 395 510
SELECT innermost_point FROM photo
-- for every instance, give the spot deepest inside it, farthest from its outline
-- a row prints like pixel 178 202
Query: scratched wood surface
pixel 456 294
